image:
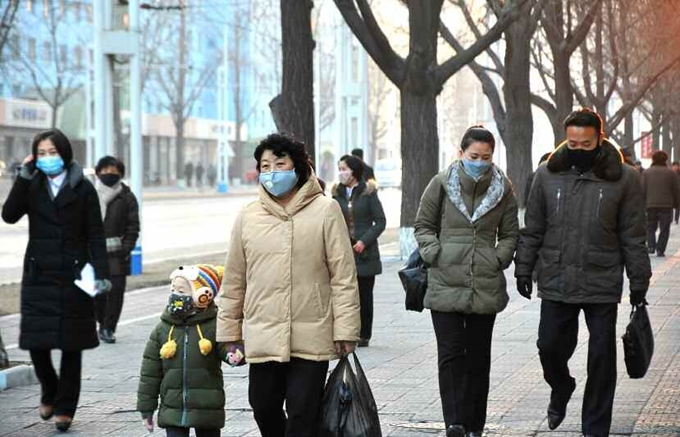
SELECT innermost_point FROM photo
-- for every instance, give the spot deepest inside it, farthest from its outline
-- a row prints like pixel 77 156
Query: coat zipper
pixel 472 258
pixel 559 195
pixel 184 378
pixel 599 203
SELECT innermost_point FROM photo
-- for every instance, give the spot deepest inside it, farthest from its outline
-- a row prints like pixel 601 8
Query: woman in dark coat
pixel 65 233
pixel 120 212
pixel 365 220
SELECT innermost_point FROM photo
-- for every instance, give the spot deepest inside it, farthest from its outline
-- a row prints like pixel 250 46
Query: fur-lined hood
pixel 608 165
pixel 364 188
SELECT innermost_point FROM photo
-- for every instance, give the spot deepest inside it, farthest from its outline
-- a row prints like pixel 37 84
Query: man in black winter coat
pixel 585 222
pixel 120 213
pixel 662 194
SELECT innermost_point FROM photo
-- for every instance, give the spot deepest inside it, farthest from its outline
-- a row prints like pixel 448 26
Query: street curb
pixel 17 376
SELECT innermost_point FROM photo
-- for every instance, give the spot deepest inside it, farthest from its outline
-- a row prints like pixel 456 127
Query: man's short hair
pixel 584 117
pixel 659 158
pixel 675 163
pixel 110 161
pixel 359 153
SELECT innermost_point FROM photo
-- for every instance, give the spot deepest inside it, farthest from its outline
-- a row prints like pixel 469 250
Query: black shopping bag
pixel 413 278
pixel 638 342
pixel 348 408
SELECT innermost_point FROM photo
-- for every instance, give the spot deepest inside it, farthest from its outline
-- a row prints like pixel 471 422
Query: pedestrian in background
pixel 638 166
pixel 189 172
pixel 199 174
pixel 369 173
pixel 585 222
pixel 676 170
pixel 212 175
pixel 120 213
pixel 289 290
pixel 466 229
pixel 662 195
pixel 365 221
pixel 65 233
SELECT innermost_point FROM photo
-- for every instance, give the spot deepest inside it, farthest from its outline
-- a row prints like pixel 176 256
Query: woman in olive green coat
pixel 467 231
pixel 365 220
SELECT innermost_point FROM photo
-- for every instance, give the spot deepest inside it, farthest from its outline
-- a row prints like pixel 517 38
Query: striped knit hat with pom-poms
pixel 207 284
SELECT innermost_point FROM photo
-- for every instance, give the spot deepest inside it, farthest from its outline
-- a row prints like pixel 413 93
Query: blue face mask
pixel 50 165
pixel 279 183
pixel 476 169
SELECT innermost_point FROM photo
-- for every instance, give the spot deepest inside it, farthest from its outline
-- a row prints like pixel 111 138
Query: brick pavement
pixel 401 366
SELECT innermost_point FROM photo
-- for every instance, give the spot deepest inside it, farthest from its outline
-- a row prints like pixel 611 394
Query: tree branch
pixel 575 38
pixel 454 64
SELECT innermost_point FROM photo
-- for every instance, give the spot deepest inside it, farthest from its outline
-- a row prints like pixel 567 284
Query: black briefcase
pixel 638 342
pixel 413 278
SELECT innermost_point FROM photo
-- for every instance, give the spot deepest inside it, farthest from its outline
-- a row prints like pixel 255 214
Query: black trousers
pixel 659 218
pixel 61 392
pixel 464 352
pixel 557 340
pixel 677 215
pixel 300 384
pixel 175 431
pixel 366 284
pixel 109 305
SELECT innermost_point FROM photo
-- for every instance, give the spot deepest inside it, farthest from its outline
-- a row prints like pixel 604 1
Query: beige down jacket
pixel 290 287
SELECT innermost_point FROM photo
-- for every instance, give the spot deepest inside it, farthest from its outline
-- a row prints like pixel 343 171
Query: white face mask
pixel 345 176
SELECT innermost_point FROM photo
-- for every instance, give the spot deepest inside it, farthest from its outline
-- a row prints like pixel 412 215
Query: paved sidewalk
pixel 401 366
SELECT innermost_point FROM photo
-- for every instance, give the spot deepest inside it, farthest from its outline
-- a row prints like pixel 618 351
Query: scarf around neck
pixel 106 195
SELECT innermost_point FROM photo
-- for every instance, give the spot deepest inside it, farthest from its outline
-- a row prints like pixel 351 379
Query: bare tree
pixel 9 13
pixel 420 79
pixel 512 111
pixel 55 78
pixel 378 92
pixel 181 83
pixel 293 109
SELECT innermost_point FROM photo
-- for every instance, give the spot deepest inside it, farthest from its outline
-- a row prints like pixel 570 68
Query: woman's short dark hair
pixel 355 164
pixel 284 145
pixel 110 161
pixel 477 134
pixel 584 117
pixel 59 140
pixel 659 158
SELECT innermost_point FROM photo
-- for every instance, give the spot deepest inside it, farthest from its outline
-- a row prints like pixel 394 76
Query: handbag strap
pixel 442 196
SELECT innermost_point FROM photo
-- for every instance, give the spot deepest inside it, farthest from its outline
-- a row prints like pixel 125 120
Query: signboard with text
pixel 647 146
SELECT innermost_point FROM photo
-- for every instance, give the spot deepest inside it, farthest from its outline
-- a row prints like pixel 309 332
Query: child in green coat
pixel 182 362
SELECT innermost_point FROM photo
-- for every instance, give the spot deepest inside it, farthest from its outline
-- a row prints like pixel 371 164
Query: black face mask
pixel 583 160
pixel 109 179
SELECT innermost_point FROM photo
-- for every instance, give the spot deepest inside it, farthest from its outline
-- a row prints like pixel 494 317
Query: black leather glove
pixel 637 297
pixel 525 286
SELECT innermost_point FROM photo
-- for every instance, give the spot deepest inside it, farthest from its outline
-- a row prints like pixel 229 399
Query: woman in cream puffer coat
pixel 289 290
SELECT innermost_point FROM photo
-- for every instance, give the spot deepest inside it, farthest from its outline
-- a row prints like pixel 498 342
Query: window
pixel 355 63
pixel 76 11
pixel 16 47
pixel 63 54
pixel 31 49
pixel 47 51
pixel 78 52
pixel 355 132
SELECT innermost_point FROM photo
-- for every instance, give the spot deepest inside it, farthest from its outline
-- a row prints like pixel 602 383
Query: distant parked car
pixel 388 173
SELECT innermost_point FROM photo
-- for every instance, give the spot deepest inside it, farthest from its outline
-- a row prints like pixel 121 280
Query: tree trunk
pixel 53 121
pixel 238 107
pixel 656 118
pixel 293 109
pixel 179 150
pixel 419 150
pixel 4 359
pixel 628 130
pixel 666 136
pixel 519 123
pixel 675 129
pixel 564 95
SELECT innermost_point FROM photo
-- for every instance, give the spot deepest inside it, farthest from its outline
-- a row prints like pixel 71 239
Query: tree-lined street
pixel 401 364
